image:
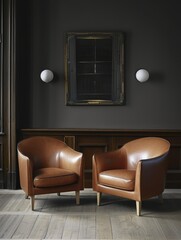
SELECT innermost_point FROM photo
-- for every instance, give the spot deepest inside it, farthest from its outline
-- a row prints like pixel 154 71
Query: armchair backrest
pixel 43 151
pixel 145 148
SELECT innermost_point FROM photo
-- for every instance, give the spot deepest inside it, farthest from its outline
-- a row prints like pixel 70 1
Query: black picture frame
pixel 94 68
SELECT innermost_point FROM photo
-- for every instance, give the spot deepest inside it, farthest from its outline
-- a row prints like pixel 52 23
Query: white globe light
pixel 142 75
pixel 46 75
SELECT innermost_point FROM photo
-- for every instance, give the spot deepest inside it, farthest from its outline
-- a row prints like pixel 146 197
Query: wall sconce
pixel 46 76
pixel 142 75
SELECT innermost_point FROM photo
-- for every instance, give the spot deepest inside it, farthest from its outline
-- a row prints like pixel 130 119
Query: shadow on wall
pixel 157 77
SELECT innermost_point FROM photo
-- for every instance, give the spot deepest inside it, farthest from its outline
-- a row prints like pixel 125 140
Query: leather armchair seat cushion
pixel 53 177
pixel 118 178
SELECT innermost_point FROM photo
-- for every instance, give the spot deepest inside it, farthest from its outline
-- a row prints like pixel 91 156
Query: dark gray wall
pixel 152 41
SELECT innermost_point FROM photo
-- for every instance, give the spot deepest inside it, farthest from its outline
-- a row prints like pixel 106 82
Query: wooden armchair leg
pixel 98 198
pixel 77 195
pixel 138 208
pixel 32 202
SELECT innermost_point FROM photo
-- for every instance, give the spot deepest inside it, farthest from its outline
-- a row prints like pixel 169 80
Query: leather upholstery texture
pixel 48 165
pixel 118 178
pixel 51 177
pixel 135 171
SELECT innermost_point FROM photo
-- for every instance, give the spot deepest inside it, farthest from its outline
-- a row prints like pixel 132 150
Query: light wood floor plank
pixel 87 228
pixel 60 218
pixel 40 227
pixel 9 225
pixel 171 226
pixel 27 223
pixel 103 227
pixel 148 229
pixel 9 200
pixel 56 227
pixel 71 227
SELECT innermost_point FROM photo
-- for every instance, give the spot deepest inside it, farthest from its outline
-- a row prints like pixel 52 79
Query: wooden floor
pixel 59 218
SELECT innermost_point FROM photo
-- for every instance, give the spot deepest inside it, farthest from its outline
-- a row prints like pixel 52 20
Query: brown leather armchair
pixel 136 171
pixel 48 165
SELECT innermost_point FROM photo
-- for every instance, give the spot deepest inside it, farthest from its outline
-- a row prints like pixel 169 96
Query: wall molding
pixel 8 95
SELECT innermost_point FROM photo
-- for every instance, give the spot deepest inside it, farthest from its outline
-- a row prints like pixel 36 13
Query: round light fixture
pixel 142 75
pixel 46 76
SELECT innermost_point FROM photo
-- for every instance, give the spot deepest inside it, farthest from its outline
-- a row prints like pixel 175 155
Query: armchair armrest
pixel 71 160
pixel 150 176
pixel 26 173
pixel 106 161
pixel 110 160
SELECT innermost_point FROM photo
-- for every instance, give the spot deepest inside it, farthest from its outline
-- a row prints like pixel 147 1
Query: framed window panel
pixel 94 68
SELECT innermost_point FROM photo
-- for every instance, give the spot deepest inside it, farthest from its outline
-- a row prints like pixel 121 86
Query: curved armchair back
pixel 143 149
pixel 43 151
